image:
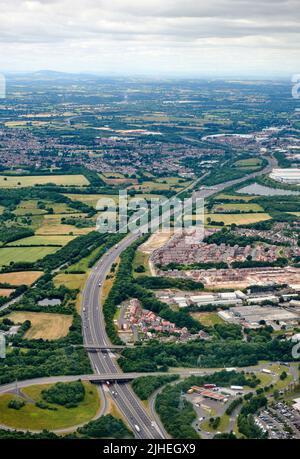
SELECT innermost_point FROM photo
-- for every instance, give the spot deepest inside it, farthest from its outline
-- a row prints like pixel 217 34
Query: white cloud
pixel 143 36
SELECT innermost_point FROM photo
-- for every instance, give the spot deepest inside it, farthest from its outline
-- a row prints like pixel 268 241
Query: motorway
pixel 94 333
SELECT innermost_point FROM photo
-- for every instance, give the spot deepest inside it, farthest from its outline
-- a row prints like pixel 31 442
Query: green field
pixel 43 240
pixel 278 369
pixel 166 183
pixel 265 379
pixel 36 221
pixel 222 427
pixel 112 174
pixel 92 199
pixel 250 163
pixel 44 325
pixel 34 418
pixel 15 181
pixel 141 259
pixel 118 180
pixel 51 225
pixel 20 277
pixel 31 207
pixel 233 197
pixel 208 319
pixel 71 281
pixel 247 207
pixel 239 219
pixel 174 181
pixel 20 254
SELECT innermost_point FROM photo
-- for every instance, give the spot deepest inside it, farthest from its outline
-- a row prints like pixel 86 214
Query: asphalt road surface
pixel 104 362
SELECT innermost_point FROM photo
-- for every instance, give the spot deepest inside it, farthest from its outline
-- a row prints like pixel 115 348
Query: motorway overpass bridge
pixel 93 348
pixel 116 377
pixel 93 378
pixel 98 378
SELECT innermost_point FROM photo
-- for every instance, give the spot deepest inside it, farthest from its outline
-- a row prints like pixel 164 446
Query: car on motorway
pixel 137 428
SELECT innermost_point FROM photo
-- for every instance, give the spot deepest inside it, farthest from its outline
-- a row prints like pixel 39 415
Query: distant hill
pixel 51 75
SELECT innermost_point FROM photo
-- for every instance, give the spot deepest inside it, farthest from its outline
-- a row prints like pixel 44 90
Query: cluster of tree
pixel 18 266
pixel 215 222
pixel 246 424
pixel 157 283
pixel 205 354
pixel 20 435
pixel 44 406
pixel 222 378
pixel 43 360
pixel 264 225
pixel 146 385
pixel 225 436
pixel 105 427
pixel 106 189
pixel 65 394
pixel 207 307
pixel 259 335
pixel 281 159
pixel 283 205
pixel 231 238
pixel 16 404
pixel 198 265
pixel 228 331
pixel 93 177
pixel 233 405
pixel 14 233
pixel 280 263
pixel 6 324
pixel 176 415
pixel 78 222
pixel 221 175
pixel 214 422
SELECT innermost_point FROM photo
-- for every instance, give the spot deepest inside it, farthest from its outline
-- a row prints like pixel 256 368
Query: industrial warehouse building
pixel 252 315
pixel 291 176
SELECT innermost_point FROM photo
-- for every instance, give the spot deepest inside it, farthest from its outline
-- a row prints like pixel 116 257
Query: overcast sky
pixel 152 37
